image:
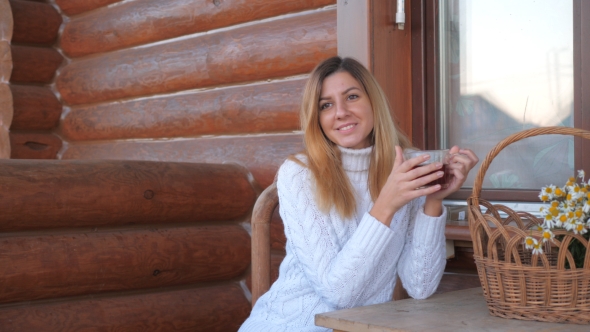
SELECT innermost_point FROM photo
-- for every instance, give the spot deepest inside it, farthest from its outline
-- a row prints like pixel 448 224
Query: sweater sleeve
pixel 423 258
pixel 338 272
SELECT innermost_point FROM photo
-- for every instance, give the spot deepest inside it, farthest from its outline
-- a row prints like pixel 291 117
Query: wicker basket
pixel 515 283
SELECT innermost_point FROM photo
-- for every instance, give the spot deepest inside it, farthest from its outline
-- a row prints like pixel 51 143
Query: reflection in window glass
pixel 507 66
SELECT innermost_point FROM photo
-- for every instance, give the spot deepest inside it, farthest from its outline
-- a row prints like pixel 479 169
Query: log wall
pixel 123 245
pixel 35 61
pixel 130 96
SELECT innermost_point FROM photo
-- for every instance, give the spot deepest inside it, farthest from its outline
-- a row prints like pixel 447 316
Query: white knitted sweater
pixel 334 263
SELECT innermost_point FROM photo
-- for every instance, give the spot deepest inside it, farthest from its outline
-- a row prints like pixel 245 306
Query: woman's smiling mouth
pixel 347 127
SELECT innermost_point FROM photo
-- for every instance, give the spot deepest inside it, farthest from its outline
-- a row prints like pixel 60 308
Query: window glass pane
pixel 506 66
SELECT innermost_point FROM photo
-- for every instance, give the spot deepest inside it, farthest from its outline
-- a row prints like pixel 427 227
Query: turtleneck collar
pixel 356 160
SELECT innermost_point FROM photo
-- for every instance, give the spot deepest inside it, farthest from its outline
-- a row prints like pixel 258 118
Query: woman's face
pixel 346 115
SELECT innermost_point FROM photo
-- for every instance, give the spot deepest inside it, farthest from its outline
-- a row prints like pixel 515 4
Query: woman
pixel 354 218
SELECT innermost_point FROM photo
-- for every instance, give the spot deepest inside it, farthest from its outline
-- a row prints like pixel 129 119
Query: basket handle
pixel 515 138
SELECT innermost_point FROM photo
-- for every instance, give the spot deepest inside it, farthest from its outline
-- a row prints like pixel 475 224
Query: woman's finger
pixel 470 154
pixel 399 157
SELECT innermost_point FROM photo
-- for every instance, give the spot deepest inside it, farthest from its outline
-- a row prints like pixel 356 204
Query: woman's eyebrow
pixel 343 92
pixel 348 90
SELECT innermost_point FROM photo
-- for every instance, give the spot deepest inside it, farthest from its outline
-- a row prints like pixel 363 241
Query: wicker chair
pixel 264 208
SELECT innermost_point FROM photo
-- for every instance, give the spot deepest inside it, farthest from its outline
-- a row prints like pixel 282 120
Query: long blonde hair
pixel 323 157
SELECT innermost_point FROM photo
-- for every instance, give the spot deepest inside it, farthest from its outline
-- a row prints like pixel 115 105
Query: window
pixel 486 69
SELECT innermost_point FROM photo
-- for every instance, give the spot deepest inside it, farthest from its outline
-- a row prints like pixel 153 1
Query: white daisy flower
pixel 530 242
pixel 547 193
pixel 538 248
pixel 580 228
pixel 548 235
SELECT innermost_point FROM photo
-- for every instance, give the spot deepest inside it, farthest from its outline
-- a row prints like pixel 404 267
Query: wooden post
pixel 6 108
pixel 354 30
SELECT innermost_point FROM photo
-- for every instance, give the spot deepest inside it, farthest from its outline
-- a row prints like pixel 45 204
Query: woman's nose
pixel 341 110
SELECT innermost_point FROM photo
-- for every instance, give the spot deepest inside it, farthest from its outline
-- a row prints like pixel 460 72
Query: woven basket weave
pixel 517 284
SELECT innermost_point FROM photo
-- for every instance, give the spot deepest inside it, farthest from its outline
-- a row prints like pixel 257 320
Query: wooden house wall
pixel 169 118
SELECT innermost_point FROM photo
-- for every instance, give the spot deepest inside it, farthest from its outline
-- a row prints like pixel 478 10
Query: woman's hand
pixel 461 162
pixel 401 185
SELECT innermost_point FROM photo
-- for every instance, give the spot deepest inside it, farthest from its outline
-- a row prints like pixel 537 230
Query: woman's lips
pixel 346 127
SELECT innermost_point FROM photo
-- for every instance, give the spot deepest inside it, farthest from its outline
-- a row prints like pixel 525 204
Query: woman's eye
pixel 324 106
pixel 352 97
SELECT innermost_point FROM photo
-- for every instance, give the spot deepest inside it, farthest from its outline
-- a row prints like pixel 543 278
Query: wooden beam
pixel 35 108
pixel 92 193
pixel 74 7
pixel 34 64
pixel 5 61
pixel 262 155
pixel 456 232
pixel 120 27
pixel 54 265
pixel 35 22
pixel 279 48
pixel 6 112
pixel 6 21
pixel 354 30
pixel 6 109
pixel 216 308
pixel 29 145
pixel 391 60
pixel 260 108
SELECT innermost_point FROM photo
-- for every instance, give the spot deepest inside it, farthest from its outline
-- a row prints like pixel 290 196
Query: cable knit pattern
pixel 334 263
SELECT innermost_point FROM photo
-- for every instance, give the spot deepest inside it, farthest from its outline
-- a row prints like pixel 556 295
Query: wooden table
pixel 463 310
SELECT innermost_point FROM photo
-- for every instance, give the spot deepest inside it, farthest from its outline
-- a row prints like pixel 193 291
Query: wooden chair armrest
pixel 261 217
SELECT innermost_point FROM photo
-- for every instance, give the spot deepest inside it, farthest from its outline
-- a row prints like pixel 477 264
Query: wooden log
pixel 25 145
pixel 261 155
pixel 73 7
pixel 256 108
pixel 5 61
pixel 35 108
pixel 216 308
pixel 51 265
pixel 5 120
pixel 6 21
pixel 456 232
pixel 97 193
pixel 120 27
pixel 35 22
pixel 34 64
pixel 266 50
